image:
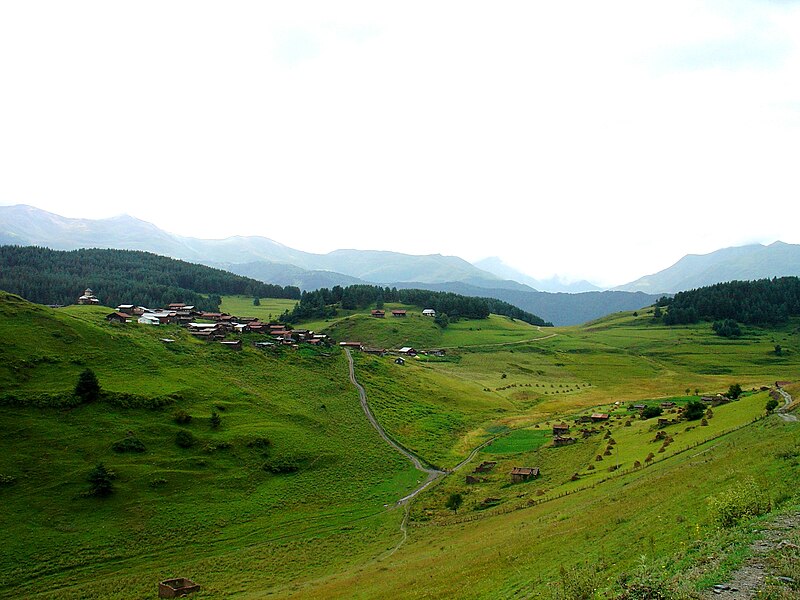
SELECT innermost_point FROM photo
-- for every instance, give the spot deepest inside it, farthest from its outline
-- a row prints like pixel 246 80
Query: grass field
pixel 268 310
pixel 181 510
pixel 223 513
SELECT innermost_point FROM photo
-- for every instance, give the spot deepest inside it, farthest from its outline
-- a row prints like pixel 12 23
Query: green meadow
pixel 293 493
pixel 269 309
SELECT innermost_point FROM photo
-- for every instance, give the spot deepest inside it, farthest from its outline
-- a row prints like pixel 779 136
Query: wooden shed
pixel 177 587
pixel 520 474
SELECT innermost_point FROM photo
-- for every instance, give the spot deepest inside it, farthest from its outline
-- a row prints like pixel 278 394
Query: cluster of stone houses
pixel 215 326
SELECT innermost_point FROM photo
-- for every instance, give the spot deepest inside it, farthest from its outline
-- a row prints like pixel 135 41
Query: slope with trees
pixel 122 276
pixel 761 302
pixel 324 302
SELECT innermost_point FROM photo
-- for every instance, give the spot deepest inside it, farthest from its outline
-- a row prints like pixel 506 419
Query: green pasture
pixel 223 513
pixel 664 508
pixel 268 310
pixel 181 511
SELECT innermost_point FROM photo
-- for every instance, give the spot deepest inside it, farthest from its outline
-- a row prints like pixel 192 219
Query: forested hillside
pixel 323 303
pixel 122 276
pixel 762 302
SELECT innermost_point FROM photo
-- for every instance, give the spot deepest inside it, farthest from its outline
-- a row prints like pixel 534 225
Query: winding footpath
pixel 431 473
pixel 787 399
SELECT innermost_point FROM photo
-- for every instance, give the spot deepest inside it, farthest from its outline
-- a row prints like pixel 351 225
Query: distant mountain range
pixel 742 263
pixel 269 261
pixel 497 267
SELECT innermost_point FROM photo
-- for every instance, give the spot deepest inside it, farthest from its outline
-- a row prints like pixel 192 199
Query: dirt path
pixel 419 464
pixel 752 576
pixel 787 399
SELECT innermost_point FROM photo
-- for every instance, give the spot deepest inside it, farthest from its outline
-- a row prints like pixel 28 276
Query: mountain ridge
pixel 744 263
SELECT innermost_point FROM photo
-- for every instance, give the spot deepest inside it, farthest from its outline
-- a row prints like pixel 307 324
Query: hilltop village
pixel 216 326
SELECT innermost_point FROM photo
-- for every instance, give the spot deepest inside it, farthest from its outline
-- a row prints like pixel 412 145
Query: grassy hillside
pixel 293 494
pixel 198 511
pixel 421 332
pixel 600 535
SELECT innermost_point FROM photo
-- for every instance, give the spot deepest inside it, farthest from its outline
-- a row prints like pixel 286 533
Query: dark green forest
pixel 122 277
pixel 324 302
pixel 761 302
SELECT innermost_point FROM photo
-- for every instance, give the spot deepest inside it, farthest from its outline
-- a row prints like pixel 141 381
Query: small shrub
pixel 181 417
pixel 128 444
pixel 576 583
pixel 185 439
pixel 704 423
pixel 7 480
pixel 772 404
pixel 598 458
pixel 744 500
pixel 454 501
pixel 101 479
pixel 157 482
pixel 260 443
pixel 282 466
pixel 637 465
pixel 214 446
pixel 645 583
pixel 215 420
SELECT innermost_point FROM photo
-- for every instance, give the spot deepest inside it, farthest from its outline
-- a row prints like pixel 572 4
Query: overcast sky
pixel 598 140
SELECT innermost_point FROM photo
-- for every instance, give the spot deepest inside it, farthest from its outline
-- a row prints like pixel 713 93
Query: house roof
pixel 525 471
pixel 406 349
pixel 116 313
pixel 206 326
pixel 599 416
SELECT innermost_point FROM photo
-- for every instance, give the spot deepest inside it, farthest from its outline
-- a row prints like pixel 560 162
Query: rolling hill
pixel 294 495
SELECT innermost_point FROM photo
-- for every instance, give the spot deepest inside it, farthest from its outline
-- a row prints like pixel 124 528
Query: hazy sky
pixel 599 140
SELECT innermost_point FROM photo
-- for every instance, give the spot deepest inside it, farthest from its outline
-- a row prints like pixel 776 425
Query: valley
pixel 294 493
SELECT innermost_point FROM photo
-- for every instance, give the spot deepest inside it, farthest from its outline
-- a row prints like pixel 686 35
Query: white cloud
pixel 593 140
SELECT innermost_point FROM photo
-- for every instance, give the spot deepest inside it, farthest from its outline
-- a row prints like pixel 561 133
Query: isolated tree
pixel 216 421
pixel 651 411
pixel 694 410
pixel 101 480
pixel 734 391
pixel 778 349
pixel 441 319
pixel 454 502
pixel 256 301
pixel 657 312
pixel 88 388
pixel 772 404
